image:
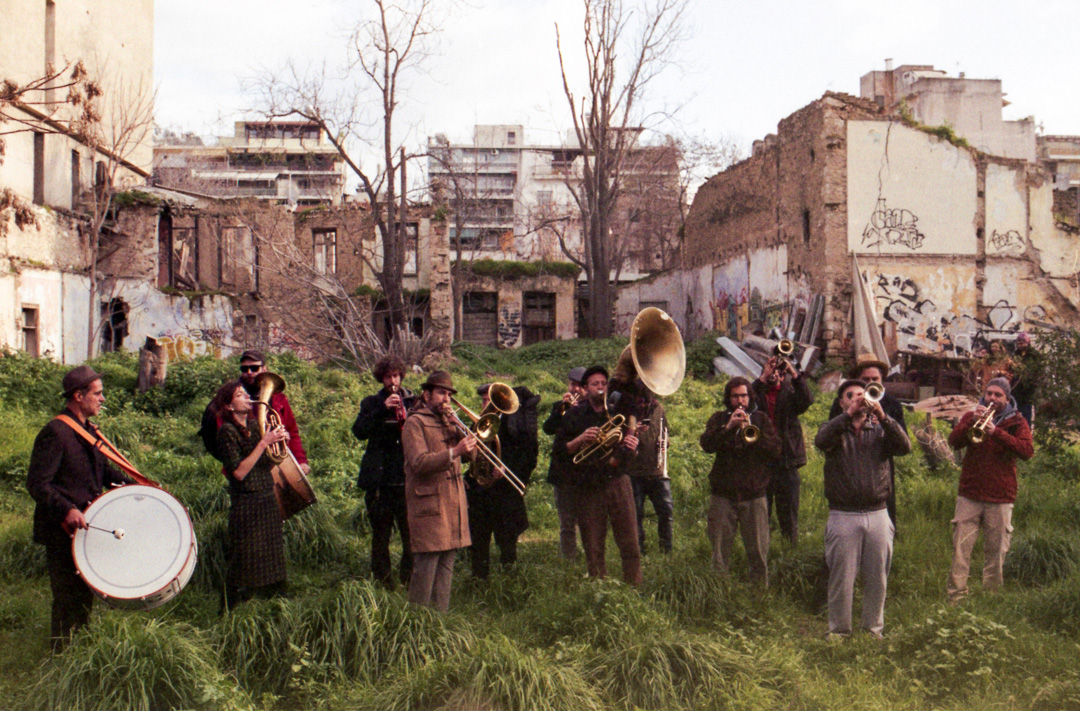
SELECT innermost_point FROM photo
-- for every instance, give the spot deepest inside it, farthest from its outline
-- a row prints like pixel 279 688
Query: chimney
pixel 888 64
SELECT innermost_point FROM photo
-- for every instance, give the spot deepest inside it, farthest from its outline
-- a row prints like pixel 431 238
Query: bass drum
pixel 140 549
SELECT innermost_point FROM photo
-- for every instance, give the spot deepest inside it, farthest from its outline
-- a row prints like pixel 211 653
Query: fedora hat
pixel 439 379
pixel 867 360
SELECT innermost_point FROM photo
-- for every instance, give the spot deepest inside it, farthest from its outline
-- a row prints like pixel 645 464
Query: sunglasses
pixel 250 368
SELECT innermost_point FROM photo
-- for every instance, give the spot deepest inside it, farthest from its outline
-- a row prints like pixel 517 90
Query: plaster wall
pixel 185 327
pixel 1006 210
pixel 908 192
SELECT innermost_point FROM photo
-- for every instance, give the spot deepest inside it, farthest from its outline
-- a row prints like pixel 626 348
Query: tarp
pixel 867 332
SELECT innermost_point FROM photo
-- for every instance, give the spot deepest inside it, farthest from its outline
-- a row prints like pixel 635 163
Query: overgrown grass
pixel 541 636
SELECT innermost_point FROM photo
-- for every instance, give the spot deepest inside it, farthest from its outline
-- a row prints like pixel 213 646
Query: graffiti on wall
pixel 892 226
pixel 509 327
pixel 923 325
pixel 730 312
pixel 192 343
pixel 1009 242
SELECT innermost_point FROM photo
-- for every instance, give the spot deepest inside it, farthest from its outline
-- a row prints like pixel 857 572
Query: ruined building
pixel 959 245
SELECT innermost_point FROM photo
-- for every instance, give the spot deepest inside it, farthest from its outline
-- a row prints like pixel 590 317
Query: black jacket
pixel 384 461
pixel 892 407
pixel 741 470
pixel 857 463
pixel 595 471
pixel 793 400
pixel 65 472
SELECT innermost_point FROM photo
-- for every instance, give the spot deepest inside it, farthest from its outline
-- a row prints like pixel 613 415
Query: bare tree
pixel 113 136
pixel 384 49
pixel 624 49
pixel 40 104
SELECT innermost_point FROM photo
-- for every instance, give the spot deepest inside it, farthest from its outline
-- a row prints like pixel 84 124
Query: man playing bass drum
pixel 382 470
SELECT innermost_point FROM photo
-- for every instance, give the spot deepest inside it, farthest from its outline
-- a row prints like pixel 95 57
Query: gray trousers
pixel 566 497
pixel 430 581
pixel 858 544
pixel 752 520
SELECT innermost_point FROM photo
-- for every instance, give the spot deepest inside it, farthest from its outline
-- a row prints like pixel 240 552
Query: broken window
pixel 114 325
pixel 412 249
pixel 325 251
pixel 30 330
pixel 538 317
pixel 237 259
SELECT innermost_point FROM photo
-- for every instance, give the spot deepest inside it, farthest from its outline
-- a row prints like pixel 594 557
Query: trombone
pixel 485 426
pixel 977 433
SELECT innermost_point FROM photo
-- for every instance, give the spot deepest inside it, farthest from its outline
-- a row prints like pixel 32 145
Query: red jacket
pixel 280 404
pixel 988 473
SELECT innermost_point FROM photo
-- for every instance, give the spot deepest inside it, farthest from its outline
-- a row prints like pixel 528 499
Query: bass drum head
pixel 147 544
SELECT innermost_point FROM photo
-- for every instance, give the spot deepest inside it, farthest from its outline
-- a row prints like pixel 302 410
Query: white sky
pixel 748 64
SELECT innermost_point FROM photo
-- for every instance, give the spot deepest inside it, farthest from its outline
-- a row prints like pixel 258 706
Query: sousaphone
pixel 656 351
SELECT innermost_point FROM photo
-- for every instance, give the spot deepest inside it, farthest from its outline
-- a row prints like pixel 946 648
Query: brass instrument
pixel 661 451
pixel 611 435
pixel 400 412
pixel 785 350
pixel 657 351
pixel 874 392
pixel 750 433
pixel 267 384
pixel 485 425
pixel 492 459
pixel 567 404
pixel 977 433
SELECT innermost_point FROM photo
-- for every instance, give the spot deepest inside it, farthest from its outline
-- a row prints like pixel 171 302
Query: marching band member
pixel 496 508
pixel 604 488
pixel 435 492
pixel 739 479
pixel 647 478
pixel 256 553
pixel 252 364
pixel 382 470
pixel 871 370
pixel 858 533
pixel 65 475
pixel 783 393
pixel 559 474
pixel 987 484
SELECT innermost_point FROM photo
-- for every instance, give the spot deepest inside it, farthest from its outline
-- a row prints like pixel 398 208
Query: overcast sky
pixel 747 65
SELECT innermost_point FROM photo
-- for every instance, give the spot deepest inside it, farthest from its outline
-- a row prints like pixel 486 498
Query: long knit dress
pixel 256 542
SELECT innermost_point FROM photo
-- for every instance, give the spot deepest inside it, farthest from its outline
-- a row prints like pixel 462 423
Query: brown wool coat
pixel 434 490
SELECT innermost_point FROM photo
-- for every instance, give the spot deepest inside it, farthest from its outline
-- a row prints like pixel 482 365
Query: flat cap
pixel 78 378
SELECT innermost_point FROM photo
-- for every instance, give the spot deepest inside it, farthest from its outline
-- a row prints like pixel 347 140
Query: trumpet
pixel 977 433
pixel 567 404
pixel 492 459
pixel 268 384
pixel 750 433
pixel 400 412
pixel 874 392
pixel 611 435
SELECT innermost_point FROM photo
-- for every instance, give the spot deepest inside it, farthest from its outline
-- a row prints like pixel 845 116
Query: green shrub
pixel 135 663
pixel 30 384
pixel 1038 560
pixel 19 555
pixel 700 353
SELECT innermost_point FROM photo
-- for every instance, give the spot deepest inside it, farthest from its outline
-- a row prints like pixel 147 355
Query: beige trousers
pixel 995 520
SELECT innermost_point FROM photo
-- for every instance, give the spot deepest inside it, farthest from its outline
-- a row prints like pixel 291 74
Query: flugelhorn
pixel 267 384
pixel 977 433
pixel 611 435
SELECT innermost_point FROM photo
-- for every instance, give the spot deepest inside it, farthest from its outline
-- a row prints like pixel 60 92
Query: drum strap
pixel 100 443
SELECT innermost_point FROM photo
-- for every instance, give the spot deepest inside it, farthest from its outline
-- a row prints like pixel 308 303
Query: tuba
pixel 268 384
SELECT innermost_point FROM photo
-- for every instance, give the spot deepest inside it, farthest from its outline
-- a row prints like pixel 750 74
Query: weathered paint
pixel 908 192
pixel 186 327
pixel 1006 211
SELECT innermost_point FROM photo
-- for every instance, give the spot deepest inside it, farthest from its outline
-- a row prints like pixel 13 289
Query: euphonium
pixel 485 425
pixel 977 433
pixel 268 384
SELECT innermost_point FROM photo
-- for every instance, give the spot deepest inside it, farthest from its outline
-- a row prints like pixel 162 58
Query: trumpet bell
pixel 751 434
pixel 656 347
pixel 874 392
pixel 786 347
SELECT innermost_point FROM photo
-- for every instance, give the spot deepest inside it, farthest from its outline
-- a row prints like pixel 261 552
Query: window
pixel 325 251
pixel 76 179
pixel 39 168
pixel 114 325
pixel 543 198
pixel 511 138
pixel 538 317
pixel 806 226
pixel 412 249
pixel 237 259
pixel 30 330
